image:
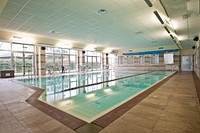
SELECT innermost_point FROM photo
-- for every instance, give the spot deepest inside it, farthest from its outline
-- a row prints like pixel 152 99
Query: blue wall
pixel 151 52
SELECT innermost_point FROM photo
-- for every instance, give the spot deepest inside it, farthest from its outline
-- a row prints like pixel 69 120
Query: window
pixel 49 62
pixel 58 57
pixel 155 59
pixel 141 59
pixel 120 60
pixel 5 46
pixel 65 51
pixel 130 60
pixel 23 58
pixel 111 59
pixel 93 60
pixel 57 50
pixel 28 48
pixel 58 62
pixel 49 50
pixel 5 56
pixel 72 51
pixel 5 60
pixel 72 62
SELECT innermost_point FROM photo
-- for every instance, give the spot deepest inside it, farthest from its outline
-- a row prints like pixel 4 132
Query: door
pixel 94 63
pixel 28 63
pixel 23 63
pixel 23 59
pixel 186 63
pixel 18 63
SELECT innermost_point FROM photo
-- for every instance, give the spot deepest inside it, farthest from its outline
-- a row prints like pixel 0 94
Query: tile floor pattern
pixel 17 116
pixel 172 108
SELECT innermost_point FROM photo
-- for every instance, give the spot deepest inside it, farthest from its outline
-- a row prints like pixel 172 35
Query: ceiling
pixel 124 24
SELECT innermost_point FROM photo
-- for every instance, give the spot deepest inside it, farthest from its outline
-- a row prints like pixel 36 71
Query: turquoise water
pixel 53 84
pixel 89 103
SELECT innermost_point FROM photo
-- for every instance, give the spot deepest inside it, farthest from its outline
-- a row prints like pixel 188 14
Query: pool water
pixel 89 103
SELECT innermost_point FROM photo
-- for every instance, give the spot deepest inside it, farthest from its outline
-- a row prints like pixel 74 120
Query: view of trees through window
pixel 61 58
pixel 19 57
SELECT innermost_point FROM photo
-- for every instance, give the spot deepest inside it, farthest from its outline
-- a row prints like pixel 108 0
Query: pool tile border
pixel 63 117
pixel 76 123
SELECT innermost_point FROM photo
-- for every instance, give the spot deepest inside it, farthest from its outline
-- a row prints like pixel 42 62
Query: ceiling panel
pixel 127 23
pixel 186 19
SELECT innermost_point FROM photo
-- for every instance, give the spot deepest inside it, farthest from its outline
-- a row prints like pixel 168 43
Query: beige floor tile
pixel 172 108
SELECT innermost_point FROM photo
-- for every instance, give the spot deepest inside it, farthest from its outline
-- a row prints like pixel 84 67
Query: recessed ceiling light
pixel 93 41
pixel 102 12
pixel 139 32
pixel 53 32
pixel 154 42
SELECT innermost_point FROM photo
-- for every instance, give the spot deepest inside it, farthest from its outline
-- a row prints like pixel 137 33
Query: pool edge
pixel 76 123
pixel 114 114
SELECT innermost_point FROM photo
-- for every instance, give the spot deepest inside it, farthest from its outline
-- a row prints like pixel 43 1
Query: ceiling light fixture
pixel 171 36
pixel 139 32
pixel 148 3
pixel 166 29
pixel 154 42
pixel 102 12
pixel 158 16
pixel 53 32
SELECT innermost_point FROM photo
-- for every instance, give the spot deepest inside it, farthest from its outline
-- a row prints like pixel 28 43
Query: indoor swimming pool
pixel 91 102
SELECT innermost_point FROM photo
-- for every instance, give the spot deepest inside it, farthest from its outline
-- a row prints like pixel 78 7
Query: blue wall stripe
pixel 151 52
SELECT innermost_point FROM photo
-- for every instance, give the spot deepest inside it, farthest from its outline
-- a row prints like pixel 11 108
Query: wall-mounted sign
pixel 169 58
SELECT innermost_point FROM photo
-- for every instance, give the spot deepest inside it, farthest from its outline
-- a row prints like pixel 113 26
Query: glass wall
pixel 130 59
pixel 93 60
pixel 120 59
pixel 17 56
pixel 61 59
pixel 111 60
pixel 5 56
pixel 141 59
pixel 155 59
pixel 23 58
pixel 73 60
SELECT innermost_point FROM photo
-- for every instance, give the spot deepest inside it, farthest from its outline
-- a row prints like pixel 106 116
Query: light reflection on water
pixel 90 102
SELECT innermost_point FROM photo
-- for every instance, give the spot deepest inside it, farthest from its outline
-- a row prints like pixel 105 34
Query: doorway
pixel 23 59
pixel 186 63
pixel 23 63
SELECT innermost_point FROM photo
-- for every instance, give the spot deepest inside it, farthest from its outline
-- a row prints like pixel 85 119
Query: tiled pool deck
pixel 173 107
